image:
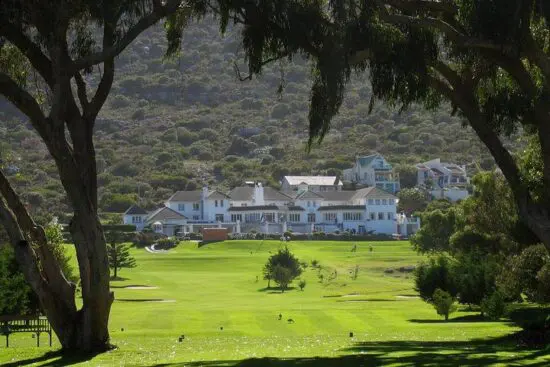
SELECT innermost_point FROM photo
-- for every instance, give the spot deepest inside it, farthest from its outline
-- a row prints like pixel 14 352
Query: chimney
pixel 259 194
pixel 204 192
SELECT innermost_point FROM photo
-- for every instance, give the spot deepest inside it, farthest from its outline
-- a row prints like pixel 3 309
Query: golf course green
pixel 215 296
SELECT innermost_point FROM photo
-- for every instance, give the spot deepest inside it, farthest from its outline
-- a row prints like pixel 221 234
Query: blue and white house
pixel 373 171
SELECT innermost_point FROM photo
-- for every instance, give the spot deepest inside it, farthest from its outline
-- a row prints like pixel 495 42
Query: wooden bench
pixel 25 324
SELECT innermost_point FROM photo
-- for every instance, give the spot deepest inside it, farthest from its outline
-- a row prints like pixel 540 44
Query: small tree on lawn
pixel 282 276
pixel 286 260
pixel 119 257
pixel 267 273
pixel 443 303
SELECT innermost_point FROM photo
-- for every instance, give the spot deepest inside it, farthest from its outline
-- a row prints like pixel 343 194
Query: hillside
pixel 181 123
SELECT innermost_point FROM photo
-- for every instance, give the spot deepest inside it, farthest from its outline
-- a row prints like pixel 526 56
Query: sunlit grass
pixel 215 287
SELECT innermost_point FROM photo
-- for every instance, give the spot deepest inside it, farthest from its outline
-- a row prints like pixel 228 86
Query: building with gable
pixel 266 210
pixel 311 183
pixel 443 180
pixel 373 171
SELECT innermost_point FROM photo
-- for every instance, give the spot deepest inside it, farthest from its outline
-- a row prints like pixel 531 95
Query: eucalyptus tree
pixel 47 50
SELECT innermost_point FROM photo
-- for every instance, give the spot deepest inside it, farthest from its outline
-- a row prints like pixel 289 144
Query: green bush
pixel 119 227
pixel 302 284
pixel 494 306
pixel 443 303
pixel 432 275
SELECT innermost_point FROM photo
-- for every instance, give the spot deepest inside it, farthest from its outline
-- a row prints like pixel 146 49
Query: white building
pixel 373 170
pixel 443 180
pixel 200 205
pixel 136 216
pixel 311 183
pixel 265 210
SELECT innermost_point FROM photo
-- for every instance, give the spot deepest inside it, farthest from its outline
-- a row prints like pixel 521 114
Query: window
pixel 311 218
pixel 196 217
pixel 371 201
pixel 252 217
pixel 308 204
pixel 330 217
pixel 236 217
pixel 219 217
pixel 196 207
pixel 216 203
pixel 353 216
pixel 390 216
pixel 392 201
pixel 372 216
pixel 314 204
pixel 294 217
pixel 384 202
pixel 380 216
pixel 243 204
pixel 221 203
pixel 269 217
pixel 136 219
pixel 377 201
pixel 181 207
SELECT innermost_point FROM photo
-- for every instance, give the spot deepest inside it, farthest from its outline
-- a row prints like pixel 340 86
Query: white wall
pixel 128 219
pixel 188 208
pixel 452 195
pixel 311 208
pixel 386 226
pixel 210 209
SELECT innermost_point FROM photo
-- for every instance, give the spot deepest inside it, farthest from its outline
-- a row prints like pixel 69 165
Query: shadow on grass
pixel 60 359
pixel 118 279
pixel 273 290
pixel 128 286
pixel 480 352
pixel 467 318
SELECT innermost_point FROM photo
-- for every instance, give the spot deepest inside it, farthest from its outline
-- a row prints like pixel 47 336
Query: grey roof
pixel 252 208
pixel 135 210
pixel 373 192
pixel 196 195
pixel 164 213
pixel 337 195
pixel 246 193
pixel 341 207
pixel 217 195
pixel 313 180
pixel 308 195
pixel 190 196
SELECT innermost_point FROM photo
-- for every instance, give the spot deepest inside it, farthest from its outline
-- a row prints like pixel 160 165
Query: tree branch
pixel 81 91
pixel 24 102
pixel 31 50
pixel 158 13
pixel 447 8
pixel 467 104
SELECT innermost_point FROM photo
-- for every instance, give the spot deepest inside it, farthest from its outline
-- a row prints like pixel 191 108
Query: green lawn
pixel 203 290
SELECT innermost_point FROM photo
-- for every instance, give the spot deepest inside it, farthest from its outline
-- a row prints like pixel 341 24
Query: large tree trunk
pixel 91 327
